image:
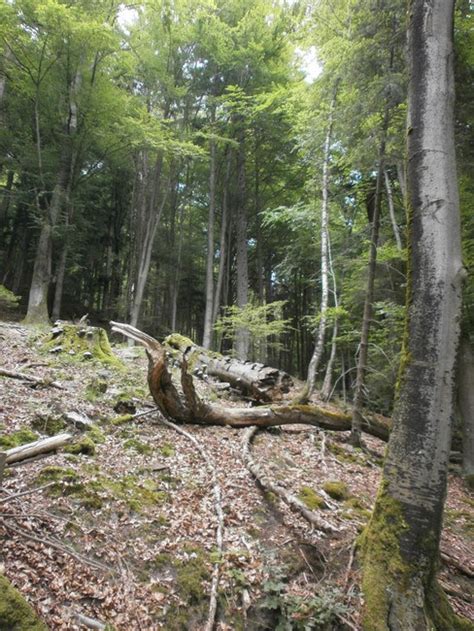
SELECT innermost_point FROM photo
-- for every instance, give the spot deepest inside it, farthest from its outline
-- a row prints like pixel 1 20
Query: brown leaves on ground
pixel 127 536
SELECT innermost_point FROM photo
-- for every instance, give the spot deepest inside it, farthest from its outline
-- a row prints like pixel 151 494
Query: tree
pixel 401 543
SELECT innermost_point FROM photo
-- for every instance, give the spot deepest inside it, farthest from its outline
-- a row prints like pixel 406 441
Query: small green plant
pixel 8 298
pixel 336 489
pixel 311 499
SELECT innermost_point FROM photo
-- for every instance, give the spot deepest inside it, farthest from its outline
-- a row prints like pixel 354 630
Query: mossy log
pixel 189 408
pixel 37 447
pixel 82 342
pixel 261 382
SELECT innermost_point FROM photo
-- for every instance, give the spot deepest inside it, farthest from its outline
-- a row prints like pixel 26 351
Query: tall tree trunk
pixel 359 391
pixel 321 334
pixel 207 336
pixel 242 280
pixel 38 295
pixel 327 383
pixel 224 241
pixel 391 210
pixel 401 543
pixel 466 407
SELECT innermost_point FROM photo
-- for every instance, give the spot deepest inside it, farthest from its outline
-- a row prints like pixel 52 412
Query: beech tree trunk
pixel 401 543
pixel 242 281
pixel 391 211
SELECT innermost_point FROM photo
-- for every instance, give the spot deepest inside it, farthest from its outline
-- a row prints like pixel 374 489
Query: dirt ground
pixel 121 525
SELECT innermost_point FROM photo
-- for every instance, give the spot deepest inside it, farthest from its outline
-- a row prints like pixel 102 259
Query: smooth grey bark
pixel 242 281
pixel 210 298
pixel 327 383
pixel 402 539
pixel 391 210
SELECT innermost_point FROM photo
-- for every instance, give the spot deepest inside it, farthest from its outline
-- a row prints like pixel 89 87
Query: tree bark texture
pixel 401 543
pixel 242 282
pixel 261 382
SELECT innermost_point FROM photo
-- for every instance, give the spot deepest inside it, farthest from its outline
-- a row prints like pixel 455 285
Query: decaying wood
pixel 30 379
pixel 188 407
pixel 90 623
pixel 261 382
pixel 38 447
pixel 268 485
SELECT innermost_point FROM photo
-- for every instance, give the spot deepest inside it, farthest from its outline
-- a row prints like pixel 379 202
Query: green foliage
pixel 265 323
pixel 20 437
pixel 8 298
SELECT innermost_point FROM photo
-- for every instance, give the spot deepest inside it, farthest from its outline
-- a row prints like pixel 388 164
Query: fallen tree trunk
pixel 261 382
pixel 30 379
pixel 38 447
pixel 188 407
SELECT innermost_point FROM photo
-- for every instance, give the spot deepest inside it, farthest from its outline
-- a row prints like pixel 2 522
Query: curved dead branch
pixel 188 408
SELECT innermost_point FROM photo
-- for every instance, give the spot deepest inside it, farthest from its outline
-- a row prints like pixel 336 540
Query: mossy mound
pixel 81 343
pixel 48 423
pixel 311 499
pixel 21 437
pixel 336 489
pixel 84 446
pixel 15 613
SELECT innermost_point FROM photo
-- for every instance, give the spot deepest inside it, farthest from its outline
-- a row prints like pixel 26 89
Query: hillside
pixel 120 527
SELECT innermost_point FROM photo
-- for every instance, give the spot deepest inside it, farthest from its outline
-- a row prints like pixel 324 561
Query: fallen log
pixel 37 381
pixel 29 450
pixel 189 408
pixel 261 382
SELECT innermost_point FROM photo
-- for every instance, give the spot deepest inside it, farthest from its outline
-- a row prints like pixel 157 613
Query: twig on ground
pixel 30 379
pixel 218 508
pixel 27 492
pixel 293 502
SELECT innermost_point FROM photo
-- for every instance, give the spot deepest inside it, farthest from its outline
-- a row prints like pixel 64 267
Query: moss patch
pixel 84 446
pixel 311 499
pixel 81 342
pixel 21 437
pixel 49 424
pixel 336 489
pixel 167 450
pixel 138 446
pixel 15 613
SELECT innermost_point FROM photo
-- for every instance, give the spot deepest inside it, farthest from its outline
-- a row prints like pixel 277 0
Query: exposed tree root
pixel 293 502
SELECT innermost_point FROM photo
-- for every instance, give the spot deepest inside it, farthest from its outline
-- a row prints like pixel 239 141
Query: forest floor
pixel 125 533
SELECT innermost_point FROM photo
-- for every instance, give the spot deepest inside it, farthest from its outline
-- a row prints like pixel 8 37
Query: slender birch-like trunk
pixel 242 282
pixel 391 211
pixel 207 336
pixel 359 390
pixel 401 542
pixel 321 334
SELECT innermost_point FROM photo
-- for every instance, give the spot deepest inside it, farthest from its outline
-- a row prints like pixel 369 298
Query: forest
pixel 237 315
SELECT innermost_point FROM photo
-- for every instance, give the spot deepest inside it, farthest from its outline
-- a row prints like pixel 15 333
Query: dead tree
pixel 187 407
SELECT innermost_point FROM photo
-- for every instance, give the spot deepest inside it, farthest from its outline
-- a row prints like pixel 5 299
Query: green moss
pixel 138 446
pixel 84 446
pixel 469 481
pixel 96 435
pixel 311 499
pixel 190 577
pixel 94 389
pixel 442 614
pixel 121 420
pixel 167 450
pixel 336 489
pixel 49 424
pixel 21 437
pixel 15 613
pixel 77 340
